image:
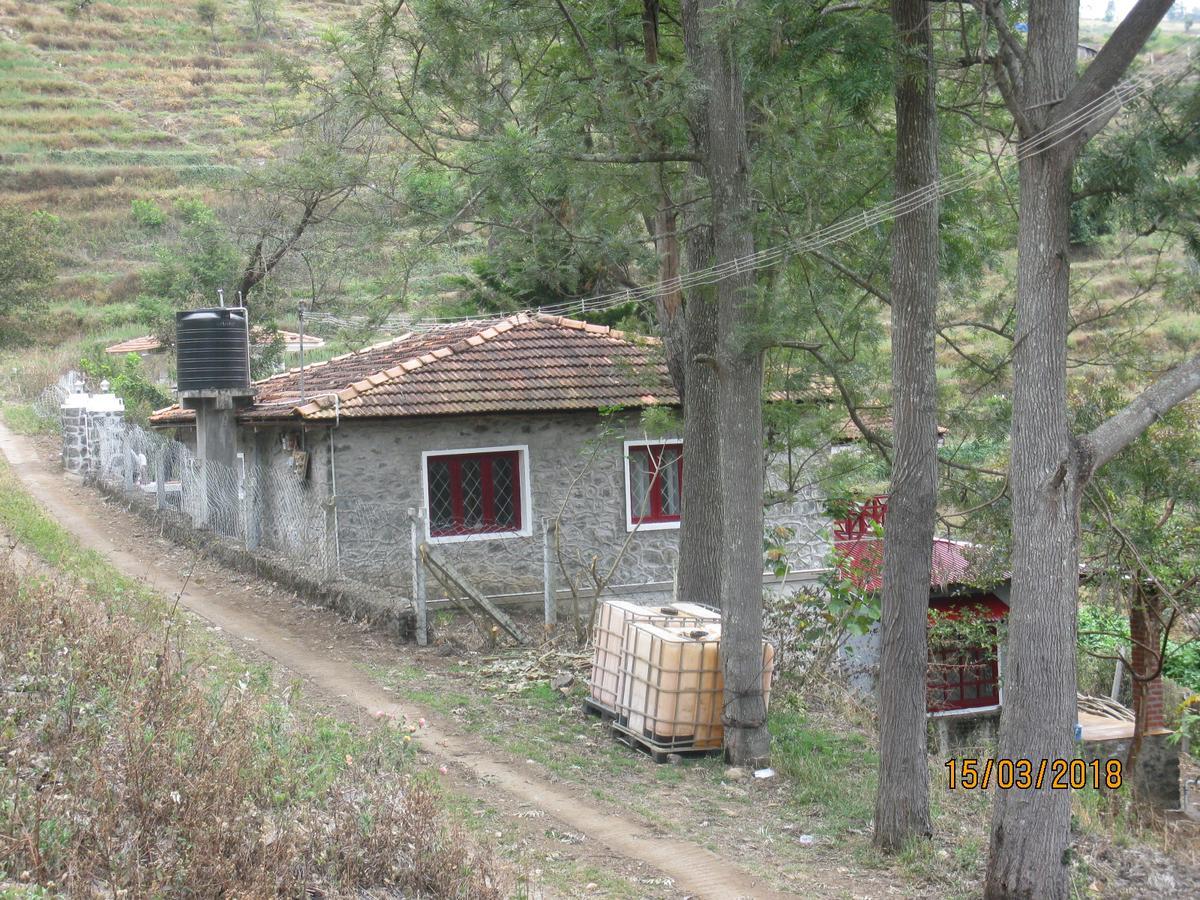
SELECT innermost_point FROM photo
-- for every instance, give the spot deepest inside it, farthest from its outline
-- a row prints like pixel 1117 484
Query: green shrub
pixel 148 214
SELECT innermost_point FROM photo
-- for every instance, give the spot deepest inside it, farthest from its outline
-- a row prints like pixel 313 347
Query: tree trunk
pixel 669 303
pixel 664 229
pixel 1031 827
pixel 720 130
pixel 701 534
pixel 1049 465
pixel 902 804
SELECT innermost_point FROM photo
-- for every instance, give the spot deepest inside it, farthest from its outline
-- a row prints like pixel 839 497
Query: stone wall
pixel 84 418
pixel 290 507
pixel 575 465
pixel 1156 779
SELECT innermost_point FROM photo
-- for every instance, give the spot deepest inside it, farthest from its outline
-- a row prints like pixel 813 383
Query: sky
pixel 1094 9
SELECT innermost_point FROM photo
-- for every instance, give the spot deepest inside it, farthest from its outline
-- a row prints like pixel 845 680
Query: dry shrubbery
pixel 130 762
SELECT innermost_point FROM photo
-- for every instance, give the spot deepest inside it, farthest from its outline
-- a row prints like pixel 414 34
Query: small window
pixel 964 675
pixel 654 474
pixel 963 679
pixel 477 493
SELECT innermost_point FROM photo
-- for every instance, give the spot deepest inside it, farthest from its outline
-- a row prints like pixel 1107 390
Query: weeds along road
pixel 619 840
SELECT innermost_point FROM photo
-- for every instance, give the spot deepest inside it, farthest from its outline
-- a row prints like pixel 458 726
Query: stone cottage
pixel 501 432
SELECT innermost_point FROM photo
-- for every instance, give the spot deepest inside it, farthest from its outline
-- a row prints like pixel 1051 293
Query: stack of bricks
pixel 1144 632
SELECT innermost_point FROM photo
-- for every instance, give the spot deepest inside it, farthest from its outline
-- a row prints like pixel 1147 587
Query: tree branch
pixel 1122 429
pixel 1111 63
pixel 661 156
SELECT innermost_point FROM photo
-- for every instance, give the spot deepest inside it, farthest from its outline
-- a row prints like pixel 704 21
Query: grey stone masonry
pixel 573 472
pixel 84 418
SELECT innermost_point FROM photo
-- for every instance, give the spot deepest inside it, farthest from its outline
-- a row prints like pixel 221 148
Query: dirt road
pixel 325 657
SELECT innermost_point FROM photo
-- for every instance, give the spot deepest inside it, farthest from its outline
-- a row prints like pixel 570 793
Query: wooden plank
pixel 1104 728
pixel 452 578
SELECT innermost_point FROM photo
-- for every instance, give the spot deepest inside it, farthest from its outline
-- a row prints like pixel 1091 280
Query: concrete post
pixel 418 578
pixel 216 439
pixel 127 458
pixel 251 496
pixel 160 478
pixel 549 601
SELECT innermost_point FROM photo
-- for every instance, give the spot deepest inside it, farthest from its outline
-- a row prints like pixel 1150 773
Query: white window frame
pixel 526 529
pixel 631 525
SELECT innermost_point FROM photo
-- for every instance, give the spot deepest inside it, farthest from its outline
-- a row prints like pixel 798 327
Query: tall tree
pixel 1050 465
pixel 902 804
pixel 719 127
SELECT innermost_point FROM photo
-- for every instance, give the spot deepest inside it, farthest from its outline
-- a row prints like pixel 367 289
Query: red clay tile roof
pixel 521 363
pixel 860 548
pixel 147 343
pixel 862 563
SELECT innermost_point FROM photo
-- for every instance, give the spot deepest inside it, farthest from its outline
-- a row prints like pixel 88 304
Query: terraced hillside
pixel 137 100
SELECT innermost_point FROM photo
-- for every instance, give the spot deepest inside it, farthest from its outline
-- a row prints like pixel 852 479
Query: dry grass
pixel 141 763
pixel 143 78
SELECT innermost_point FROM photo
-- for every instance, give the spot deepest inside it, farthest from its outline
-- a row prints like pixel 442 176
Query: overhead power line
pixel 1100 109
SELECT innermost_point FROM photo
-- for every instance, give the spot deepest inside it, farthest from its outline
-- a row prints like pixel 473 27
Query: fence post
pixel 252 493
pixel 160 481
pixel 418 579
pixel 330 537
pixel 127 449
pixel 549 600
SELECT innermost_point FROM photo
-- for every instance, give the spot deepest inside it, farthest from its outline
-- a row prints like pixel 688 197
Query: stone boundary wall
pixel 357 601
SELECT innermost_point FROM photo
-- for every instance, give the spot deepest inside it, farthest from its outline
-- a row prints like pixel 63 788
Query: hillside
pixel 102 104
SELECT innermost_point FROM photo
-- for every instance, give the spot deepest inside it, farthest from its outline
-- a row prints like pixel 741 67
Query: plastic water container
pixel 608 639
pixel 672 693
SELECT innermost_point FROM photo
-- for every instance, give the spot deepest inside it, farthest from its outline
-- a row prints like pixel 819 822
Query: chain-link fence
pixel 285 514
pixel 287 503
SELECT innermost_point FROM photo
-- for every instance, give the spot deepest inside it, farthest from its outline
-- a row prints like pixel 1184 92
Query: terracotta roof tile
pixel 520 363
pixel 147 343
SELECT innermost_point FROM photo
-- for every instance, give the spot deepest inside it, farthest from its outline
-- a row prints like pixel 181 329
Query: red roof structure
pixel 147 343
pixel 521 363
pixel 860 547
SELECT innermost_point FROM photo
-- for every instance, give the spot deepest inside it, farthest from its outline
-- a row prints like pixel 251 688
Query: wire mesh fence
pixel 269 501
pixel 286 514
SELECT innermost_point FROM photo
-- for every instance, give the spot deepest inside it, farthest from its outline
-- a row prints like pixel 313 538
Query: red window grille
pixel 655 483
pixel 965 677
pixel 968 678
pixel 474 493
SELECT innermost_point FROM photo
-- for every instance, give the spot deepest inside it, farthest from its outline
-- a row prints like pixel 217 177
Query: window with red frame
pixel 968 678
pixel 474 493
pixel 965 677
pixel 655 483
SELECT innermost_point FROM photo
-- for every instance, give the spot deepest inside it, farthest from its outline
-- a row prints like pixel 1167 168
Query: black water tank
pixel 212 349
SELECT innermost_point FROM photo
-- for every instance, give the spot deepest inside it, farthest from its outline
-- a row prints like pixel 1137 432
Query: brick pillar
pixel 1145 632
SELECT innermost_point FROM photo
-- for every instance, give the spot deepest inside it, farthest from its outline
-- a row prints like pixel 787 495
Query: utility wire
pixel 1102 108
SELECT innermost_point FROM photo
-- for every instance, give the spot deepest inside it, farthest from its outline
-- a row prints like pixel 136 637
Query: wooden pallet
pixel 660 753
pixel 592 708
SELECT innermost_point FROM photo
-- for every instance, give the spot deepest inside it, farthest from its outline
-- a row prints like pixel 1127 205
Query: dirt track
pixel 315 646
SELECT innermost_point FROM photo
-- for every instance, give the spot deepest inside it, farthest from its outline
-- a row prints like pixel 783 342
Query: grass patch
pixel 175 769
pixel 833 774
pixel 22 419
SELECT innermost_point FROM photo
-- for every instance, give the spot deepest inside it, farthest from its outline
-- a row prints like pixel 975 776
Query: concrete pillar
pixel 216 440
pixel 73 414
pixel 105 412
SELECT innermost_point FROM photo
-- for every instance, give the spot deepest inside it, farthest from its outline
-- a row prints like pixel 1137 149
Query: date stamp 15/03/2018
pixel 971 774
